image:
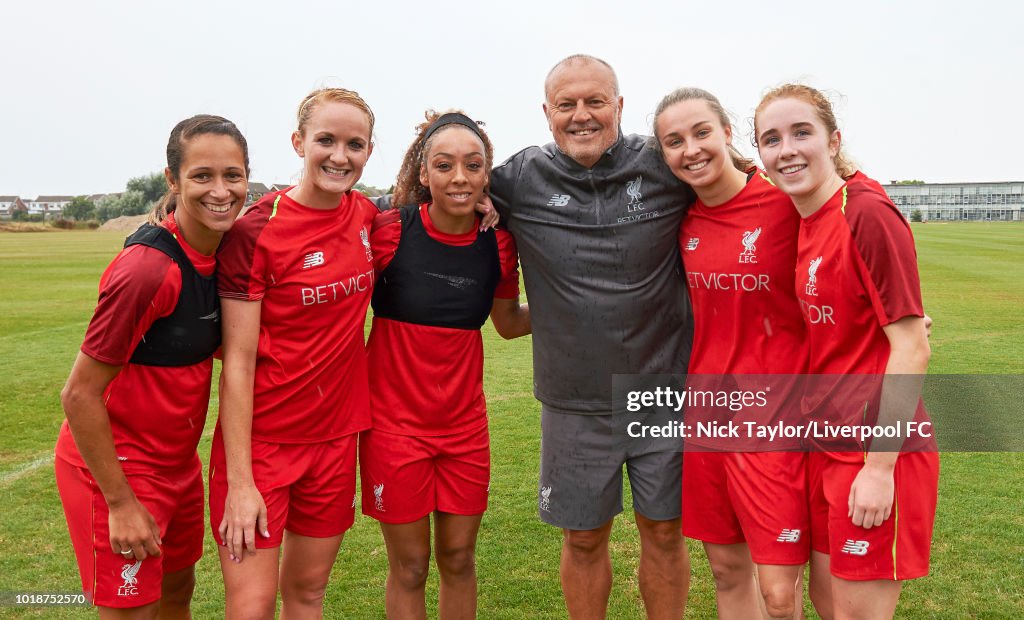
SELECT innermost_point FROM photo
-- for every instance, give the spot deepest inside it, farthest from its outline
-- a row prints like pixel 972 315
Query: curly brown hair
pixel 408 189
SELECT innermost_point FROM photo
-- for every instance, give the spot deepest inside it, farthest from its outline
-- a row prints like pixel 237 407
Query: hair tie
pixel 452 118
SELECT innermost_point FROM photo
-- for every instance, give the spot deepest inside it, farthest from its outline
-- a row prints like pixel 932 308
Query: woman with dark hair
pixel 429 451
pixel 127 469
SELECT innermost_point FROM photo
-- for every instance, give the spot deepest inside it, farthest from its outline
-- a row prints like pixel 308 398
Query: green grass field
pixel 972 287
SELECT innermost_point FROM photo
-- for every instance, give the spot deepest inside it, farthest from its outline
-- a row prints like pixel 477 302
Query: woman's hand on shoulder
pixel 488 214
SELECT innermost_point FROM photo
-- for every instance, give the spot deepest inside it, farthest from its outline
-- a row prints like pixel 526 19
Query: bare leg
pixel 820 584
pixel 176 594
pixel 664 568
pixel 586 571
pixel 250 586
pixel 146 612
pixel 455 553
pixel 865 600
pixel 305 569
pixel 408 564
pixel 736 590
pixel 779 585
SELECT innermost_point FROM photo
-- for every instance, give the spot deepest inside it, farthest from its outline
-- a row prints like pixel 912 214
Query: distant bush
pixel 915 215
pixel 65 224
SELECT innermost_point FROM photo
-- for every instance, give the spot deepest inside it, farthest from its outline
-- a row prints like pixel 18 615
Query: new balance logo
pixel 855 547
pixel 313 259
pixel 558 200
pixel 691 244
pixel 789 536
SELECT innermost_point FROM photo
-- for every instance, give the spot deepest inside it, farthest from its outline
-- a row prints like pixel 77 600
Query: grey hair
pixel 579 59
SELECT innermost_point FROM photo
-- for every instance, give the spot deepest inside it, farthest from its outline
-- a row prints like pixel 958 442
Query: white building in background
pixel 10 204
pixel 974 202
pixel 50 207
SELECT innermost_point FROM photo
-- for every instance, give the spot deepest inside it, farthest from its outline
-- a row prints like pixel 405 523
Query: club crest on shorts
pixel 748 255
pixel 545 499
pixel 789 536
pixel 365 238
pixel 378 497
pixel 128 573
pixel 855 547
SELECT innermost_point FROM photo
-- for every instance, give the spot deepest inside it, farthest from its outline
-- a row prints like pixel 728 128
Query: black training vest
pixel 191 333
pixel 432 283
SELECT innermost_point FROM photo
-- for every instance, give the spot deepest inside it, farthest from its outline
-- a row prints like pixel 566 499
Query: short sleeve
pixel 241 261
pixel 508 255
pixel 384 238
pixel 888 260
pixel 139 287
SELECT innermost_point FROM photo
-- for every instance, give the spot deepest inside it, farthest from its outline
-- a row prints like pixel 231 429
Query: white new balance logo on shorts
pixel 558 200
pixel 855 547
pixel 313 259
pixel 789 536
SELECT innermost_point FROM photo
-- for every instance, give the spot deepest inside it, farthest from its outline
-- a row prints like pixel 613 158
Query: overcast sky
pixel 90 90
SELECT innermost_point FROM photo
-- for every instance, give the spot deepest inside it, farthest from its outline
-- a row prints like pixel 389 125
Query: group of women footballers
pixel 294 276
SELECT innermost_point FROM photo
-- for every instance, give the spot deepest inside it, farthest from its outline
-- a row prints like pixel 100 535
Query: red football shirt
pixel 312 269
pixel 156 413
pixel 856 273
pixel 428 380
pixel 739 259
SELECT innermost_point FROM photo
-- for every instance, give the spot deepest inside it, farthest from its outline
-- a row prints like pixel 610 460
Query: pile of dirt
pixel 125 222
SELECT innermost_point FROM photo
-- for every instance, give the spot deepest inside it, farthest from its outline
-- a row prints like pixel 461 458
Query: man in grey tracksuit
pixel 596 218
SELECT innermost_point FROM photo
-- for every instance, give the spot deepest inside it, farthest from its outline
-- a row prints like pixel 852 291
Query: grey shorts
pixel 581 459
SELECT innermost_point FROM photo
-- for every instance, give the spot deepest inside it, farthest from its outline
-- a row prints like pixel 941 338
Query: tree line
pixel 140 196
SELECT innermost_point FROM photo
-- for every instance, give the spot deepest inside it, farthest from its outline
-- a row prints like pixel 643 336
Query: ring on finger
pixel 125 552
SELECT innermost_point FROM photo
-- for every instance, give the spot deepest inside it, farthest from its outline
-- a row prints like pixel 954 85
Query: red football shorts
pixel 309 488
pixel 406 478
pixel 755 498
pixel 173 497
pixel 898 549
